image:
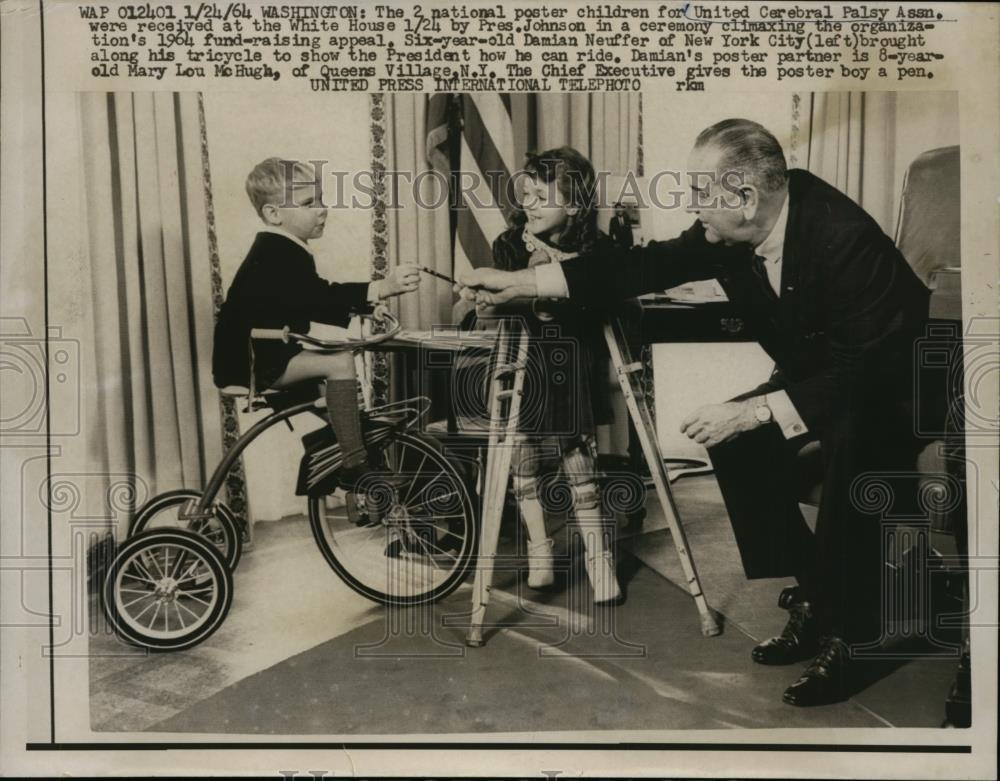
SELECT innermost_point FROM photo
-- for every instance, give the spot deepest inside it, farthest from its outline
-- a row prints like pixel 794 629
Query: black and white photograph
pixel 590 423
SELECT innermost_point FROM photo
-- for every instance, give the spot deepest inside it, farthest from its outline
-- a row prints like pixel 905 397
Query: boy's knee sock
pixel 342 409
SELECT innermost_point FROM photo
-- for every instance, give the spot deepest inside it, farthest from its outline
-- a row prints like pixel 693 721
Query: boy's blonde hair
pixel 269 181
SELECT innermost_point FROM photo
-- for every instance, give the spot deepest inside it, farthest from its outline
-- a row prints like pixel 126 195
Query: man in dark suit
pixel 834 303
pixel 620 228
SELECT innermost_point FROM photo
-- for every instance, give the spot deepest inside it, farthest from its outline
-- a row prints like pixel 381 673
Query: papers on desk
pixel 702 291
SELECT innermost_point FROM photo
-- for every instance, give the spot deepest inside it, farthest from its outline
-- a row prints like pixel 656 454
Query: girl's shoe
pixel 601 571
pixel 540 572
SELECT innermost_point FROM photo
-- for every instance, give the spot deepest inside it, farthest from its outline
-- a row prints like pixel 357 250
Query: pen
pixel 437 274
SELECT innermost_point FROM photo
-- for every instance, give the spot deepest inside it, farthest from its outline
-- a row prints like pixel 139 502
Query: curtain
pixel 419 228
pixel 850 137
pixel 602 126
pixel 150 284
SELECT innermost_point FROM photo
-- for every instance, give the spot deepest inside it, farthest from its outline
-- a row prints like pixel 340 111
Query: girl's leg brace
pixel 579 466
pixel 527 466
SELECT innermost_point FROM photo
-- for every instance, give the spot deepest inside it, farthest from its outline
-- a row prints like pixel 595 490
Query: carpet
pixel 549 670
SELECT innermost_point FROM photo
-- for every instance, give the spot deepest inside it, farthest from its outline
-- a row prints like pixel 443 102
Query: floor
pixel 300 653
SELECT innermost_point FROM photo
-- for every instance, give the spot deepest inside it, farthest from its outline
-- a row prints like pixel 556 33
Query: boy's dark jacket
pixel 276 285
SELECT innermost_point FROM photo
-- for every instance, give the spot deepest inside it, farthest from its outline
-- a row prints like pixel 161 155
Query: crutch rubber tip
pixel 474 639
pixel 710 626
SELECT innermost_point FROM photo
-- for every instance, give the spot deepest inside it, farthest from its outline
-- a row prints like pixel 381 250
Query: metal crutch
pixel 635 399
pixel 506 388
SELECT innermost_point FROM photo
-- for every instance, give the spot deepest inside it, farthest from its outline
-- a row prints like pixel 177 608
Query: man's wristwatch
pixel 761 411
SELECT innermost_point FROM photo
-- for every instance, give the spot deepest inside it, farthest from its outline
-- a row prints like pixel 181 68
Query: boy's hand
pixel 379 312
pixel 404 278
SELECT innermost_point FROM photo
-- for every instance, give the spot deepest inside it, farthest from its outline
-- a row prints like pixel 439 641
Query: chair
pixel 928 226
pixel 928 233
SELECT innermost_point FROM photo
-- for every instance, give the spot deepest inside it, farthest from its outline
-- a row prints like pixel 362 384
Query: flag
pixel 470 139
pixel 441 122
pixel 486 164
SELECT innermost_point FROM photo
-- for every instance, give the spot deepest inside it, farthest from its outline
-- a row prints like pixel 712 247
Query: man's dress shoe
pixel 825 679
pixel 799 639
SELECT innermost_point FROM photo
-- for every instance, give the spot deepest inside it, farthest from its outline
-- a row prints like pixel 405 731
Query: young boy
pixel 277 286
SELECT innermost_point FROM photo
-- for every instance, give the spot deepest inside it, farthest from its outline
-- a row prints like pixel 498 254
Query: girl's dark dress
pixel 566 391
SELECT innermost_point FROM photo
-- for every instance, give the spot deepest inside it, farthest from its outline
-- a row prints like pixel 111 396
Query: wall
pixel 671 121
pixel 305 127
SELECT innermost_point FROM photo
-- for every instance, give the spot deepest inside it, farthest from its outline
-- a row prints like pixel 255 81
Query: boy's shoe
pixel 358 512
pixel 348 476
pixel 362 478
pixel 540 572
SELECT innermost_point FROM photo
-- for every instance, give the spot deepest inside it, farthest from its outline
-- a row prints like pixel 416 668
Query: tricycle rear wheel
pixel 401 545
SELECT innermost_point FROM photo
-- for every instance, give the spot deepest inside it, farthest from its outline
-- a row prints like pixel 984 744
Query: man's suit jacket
pixel 841 333
pixel 621 231
pixel 276 286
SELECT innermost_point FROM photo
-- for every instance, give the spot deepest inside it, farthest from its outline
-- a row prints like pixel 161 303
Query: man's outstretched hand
pixel 490 286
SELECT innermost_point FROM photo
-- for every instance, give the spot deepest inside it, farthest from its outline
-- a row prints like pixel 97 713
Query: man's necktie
pixel 760 271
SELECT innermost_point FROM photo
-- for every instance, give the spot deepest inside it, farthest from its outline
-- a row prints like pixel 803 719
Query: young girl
pixel 558 220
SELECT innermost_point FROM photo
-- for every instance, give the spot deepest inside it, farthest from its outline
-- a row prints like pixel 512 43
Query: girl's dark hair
pixel 576 181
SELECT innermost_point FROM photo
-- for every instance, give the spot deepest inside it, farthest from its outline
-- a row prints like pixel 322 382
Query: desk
pixel 701 354
pixel 694 350
pixel 665 320
pixel 449 367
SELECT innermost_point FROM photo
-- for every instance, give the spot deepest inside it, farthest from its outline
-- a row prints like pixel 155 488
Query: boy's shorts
pixel 269 367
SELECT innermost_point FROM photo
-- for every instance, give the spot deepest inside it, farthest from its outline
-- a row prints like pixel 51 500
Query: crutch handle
pixel 270 333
